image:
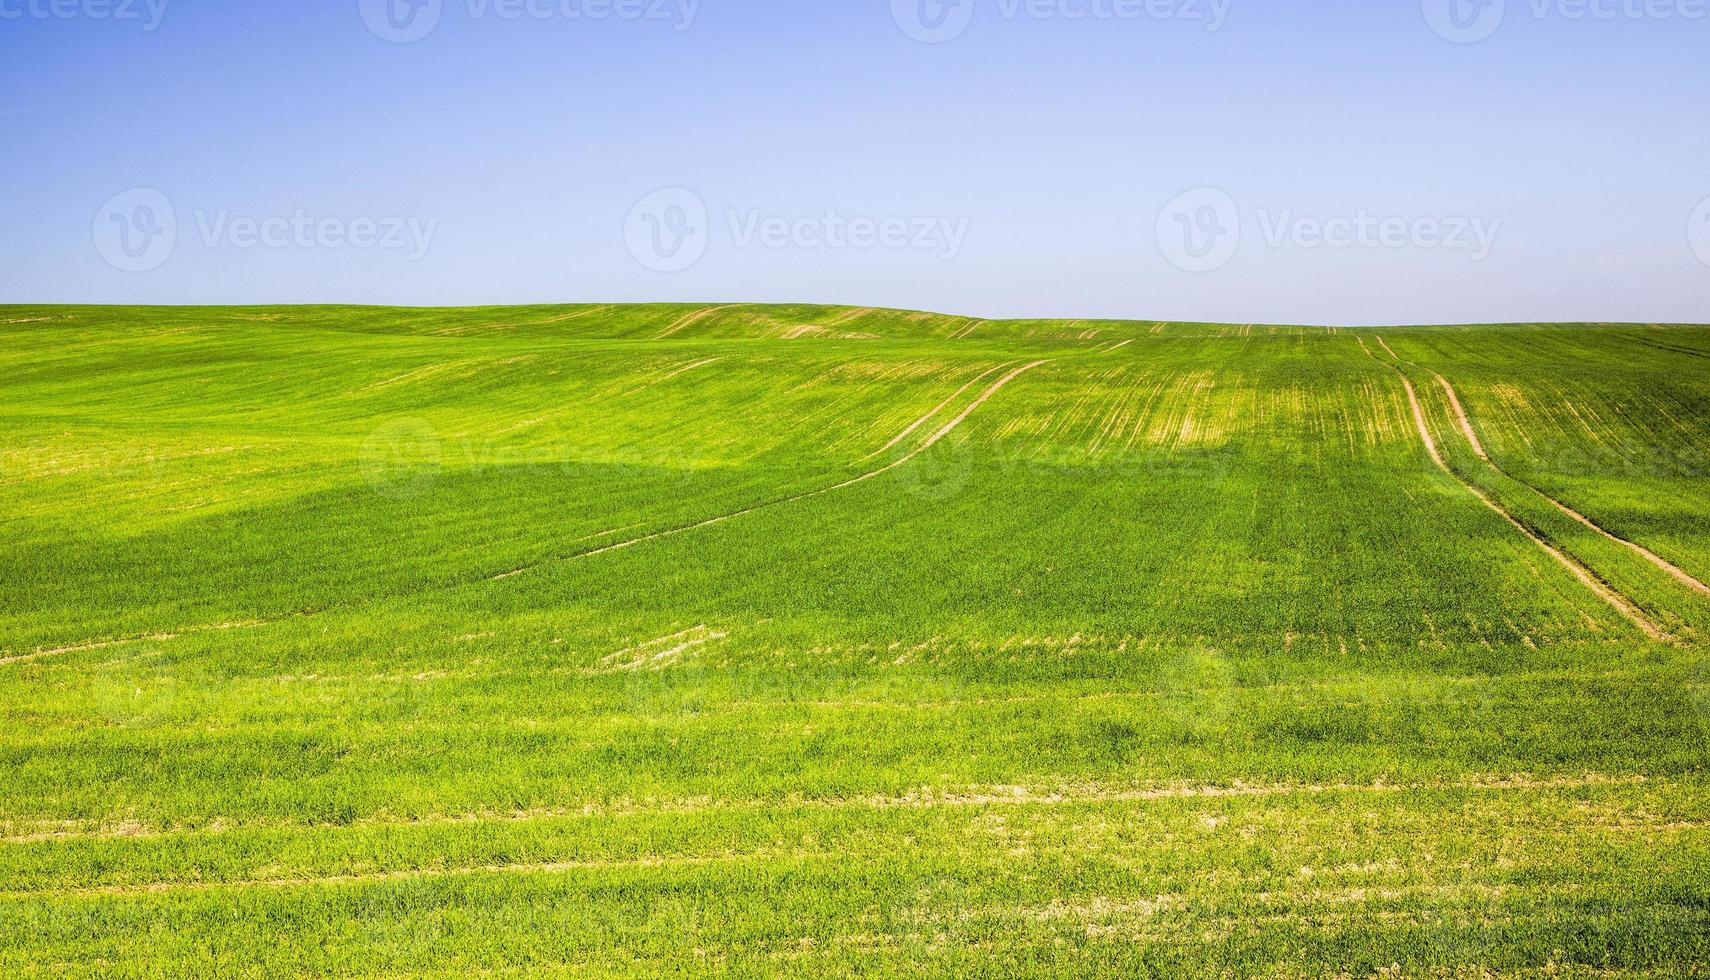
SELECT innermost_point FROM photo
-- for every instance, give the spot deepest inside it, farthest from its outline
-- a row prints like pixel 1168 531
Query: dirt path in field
pixel 661 380
pixel 656 653
pixel 124 641
pixel 693 318
pixel 923 799
pixel 1679 574
pixel 903 460
pixel 958 420
pixel 1671 348
pixel 406 874
pixel 1391 351
pixel 562 317
pixel 848 316
pixel 1461 417
pixel 1603 590
pixel 1465 422
pixel 416 373
pixel 579 314
pixel 904 434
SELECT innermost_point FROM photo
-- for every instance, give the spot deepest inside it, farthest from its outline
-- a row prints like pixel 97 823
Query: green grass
pixel 628 640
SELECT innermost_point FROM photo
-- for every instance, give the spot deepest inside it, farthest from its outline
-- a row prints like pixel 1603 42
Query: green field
pixel 640 640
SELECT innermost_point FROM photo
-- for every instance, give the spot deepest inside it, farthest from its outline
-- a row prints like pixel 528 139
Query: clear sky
pixel 1332 161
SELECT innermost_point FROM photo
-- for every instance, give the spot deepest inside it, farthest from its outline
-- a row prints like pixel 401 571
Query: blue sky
pixel 1334 162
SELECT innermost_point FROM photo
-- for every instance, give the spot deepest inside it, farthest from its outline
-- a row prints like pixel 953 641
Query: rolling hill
pixel 801 640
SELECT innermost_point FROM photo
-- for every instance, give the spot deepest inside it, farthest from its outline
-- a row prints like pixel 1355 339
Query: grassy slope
pixel 276 700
